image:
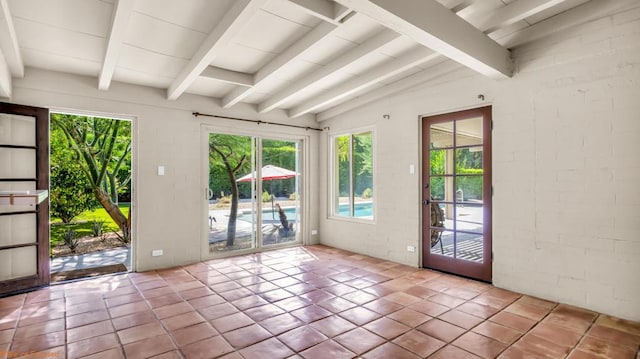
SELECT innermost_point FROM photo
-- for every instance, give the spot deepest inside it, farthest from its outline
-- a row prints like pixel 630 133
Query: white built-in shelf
pixel 22 198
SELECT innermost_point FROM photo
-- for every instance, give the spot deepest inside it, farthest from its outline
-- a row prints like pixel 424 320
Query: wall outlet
pixel 411 249
pixel 160 170
pixel 314 232
pixel 157 252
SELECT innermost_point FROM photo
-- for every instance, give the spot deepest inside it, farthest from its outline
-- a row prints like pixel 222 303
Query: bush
pixel 124 237
pixel 224 201
pixel 266 197
pixel 70 239
pixel 70 191
pixel 367 193
pixel 96 228
pixel 293 196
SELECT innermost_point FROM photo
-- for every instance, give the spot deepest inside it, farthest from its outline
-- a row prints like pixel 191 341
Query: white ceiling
pixel 304 56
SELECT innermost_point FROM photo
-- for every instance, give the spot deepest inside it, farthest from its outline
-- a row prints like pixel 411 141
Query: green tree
pixel 70 192
pixel 103 150
pixel 232 154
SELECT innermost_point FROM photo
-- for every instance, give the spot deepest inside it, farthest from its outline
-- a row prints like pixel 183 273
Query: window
pixel 353 175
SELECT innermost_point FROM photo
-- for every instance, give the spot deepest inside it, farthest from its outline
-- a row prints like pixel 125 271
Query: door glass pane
pixel 441 135
pixel 17 163
pixel 441 161
pixel 343 187
pixel 17 262
pixel 469 189
pixel 18 229
pixel 442 242
pixel 280 191
pixel 437 188
pixel 232 182
pixel 469 132
pixel 469 217
pixel 469 160
pixel 17 130
pixel 363 175
pixel 469 246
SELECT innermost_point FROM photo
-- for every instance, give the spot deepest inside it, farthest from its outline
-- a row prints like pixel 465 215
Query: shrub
pixel 96 228
pixel 293 196
pixel 367 193
pixel 224 201
pixel 70 239
pixel 124 238
pixel 70 192
pixel 266 197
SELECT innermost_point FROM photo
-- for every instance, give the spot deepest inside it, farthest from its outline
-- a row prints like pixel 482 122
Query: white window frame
pixel 334 194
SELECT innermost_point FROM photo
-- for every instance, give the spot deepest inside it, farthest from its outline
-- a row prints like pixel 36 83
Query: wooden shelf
pixel 31 198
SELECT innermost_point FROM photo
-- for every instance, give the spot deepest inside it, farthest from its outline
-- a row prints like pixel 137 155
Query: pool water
pixel 360 210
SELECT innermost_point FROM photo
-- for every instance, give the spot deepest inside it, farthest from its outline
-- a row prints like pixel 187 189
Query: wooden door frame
pixel 447 264
pixel 42 276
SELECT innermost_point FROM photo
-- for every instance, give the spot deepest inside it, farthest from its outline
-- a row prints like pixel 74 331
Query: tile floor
pixel 312 302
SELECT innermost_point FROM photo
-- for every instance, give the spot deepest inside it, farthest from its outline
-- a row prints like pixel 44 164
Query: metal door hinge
pixel 491 123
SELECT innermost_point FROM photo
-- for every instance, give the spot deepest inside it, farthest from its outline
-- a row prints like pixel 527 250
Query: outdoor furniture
pixel 437 225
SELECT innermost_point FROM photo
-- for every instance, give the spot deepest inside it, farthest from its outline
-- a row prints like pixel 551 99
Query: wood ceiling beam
pixel 230 25
pixel 279 64
pixel 381 72
pixel 122 10
pixel 228 76
pixel 326 10
pixel 514 12
pixel 436 27
pixel 372 45
pixel 9 42
pixel 6 85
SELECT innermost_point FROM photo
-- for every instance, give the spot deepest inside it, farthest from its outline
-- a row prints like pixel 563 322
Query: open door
pixel 456 193
pixel 24 208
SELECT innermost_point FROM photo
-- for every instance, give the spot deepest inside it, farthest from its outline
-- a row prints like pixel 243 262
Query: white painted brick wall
pixel 566 167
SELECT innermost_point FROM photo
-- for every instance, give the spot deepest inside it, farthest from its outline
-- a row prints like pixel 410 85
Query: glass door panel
pixel 280 191
pixel 232 212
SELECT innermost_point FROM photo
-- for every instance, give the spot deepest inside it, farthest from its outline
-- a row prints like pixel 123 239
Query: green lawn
pixel 82 224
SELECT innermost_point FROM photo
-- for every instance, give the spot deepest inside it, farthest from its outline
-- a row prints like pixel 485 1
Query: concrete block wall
pixel 566 169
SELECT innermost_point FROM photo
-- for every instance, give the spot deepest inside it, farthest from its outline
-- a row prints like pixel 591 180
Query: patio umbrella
pixel 270 173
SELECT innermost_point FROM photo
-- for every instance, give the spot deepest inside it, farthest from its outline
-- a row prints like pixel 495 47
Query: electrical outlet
pixel 157 252
pixel 411 249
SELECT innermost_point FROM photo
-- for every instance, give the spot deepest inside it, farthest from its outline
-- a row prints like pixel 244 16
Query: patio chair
pixel 287 228
pixel 437 225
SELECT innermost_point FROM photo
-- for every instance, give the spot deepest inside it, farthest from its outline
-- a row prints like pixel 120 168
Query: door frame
pixel 42 276
pixel 480 271
pixel 205 130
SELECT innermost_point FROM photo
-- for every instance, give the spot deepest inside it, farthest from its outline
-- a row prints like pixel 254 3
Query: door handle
pixel 425 202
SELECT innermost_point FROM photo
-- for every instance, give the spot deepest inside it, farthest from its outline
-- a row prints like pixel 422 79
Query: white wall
pixel 169 209
pixel 566 172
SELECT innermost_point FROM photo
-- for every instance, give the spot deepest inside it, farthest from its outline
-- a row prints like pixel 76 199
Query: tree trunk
pixel 114 212
pixel 233 215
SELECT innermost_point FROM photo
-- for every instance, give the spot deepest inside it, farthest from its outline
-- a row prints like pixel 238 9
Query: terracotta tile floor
pixel 312 302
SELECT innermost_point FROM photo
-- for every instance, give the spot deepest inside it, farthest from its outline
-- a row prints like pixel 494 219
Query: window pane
pixel 363 174
pixel 342 187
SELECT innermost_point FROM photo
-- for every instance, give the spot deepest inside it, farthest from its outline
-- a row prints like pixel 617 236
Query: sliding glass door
pixel 250 206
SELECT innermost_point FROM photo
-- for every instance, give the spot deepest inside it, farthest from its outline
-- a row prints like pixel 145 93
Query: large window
pixel 353 175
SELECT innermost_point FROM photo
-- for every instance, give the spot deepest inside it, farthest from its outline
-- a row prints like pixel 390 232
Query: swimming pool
pixel 360 210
